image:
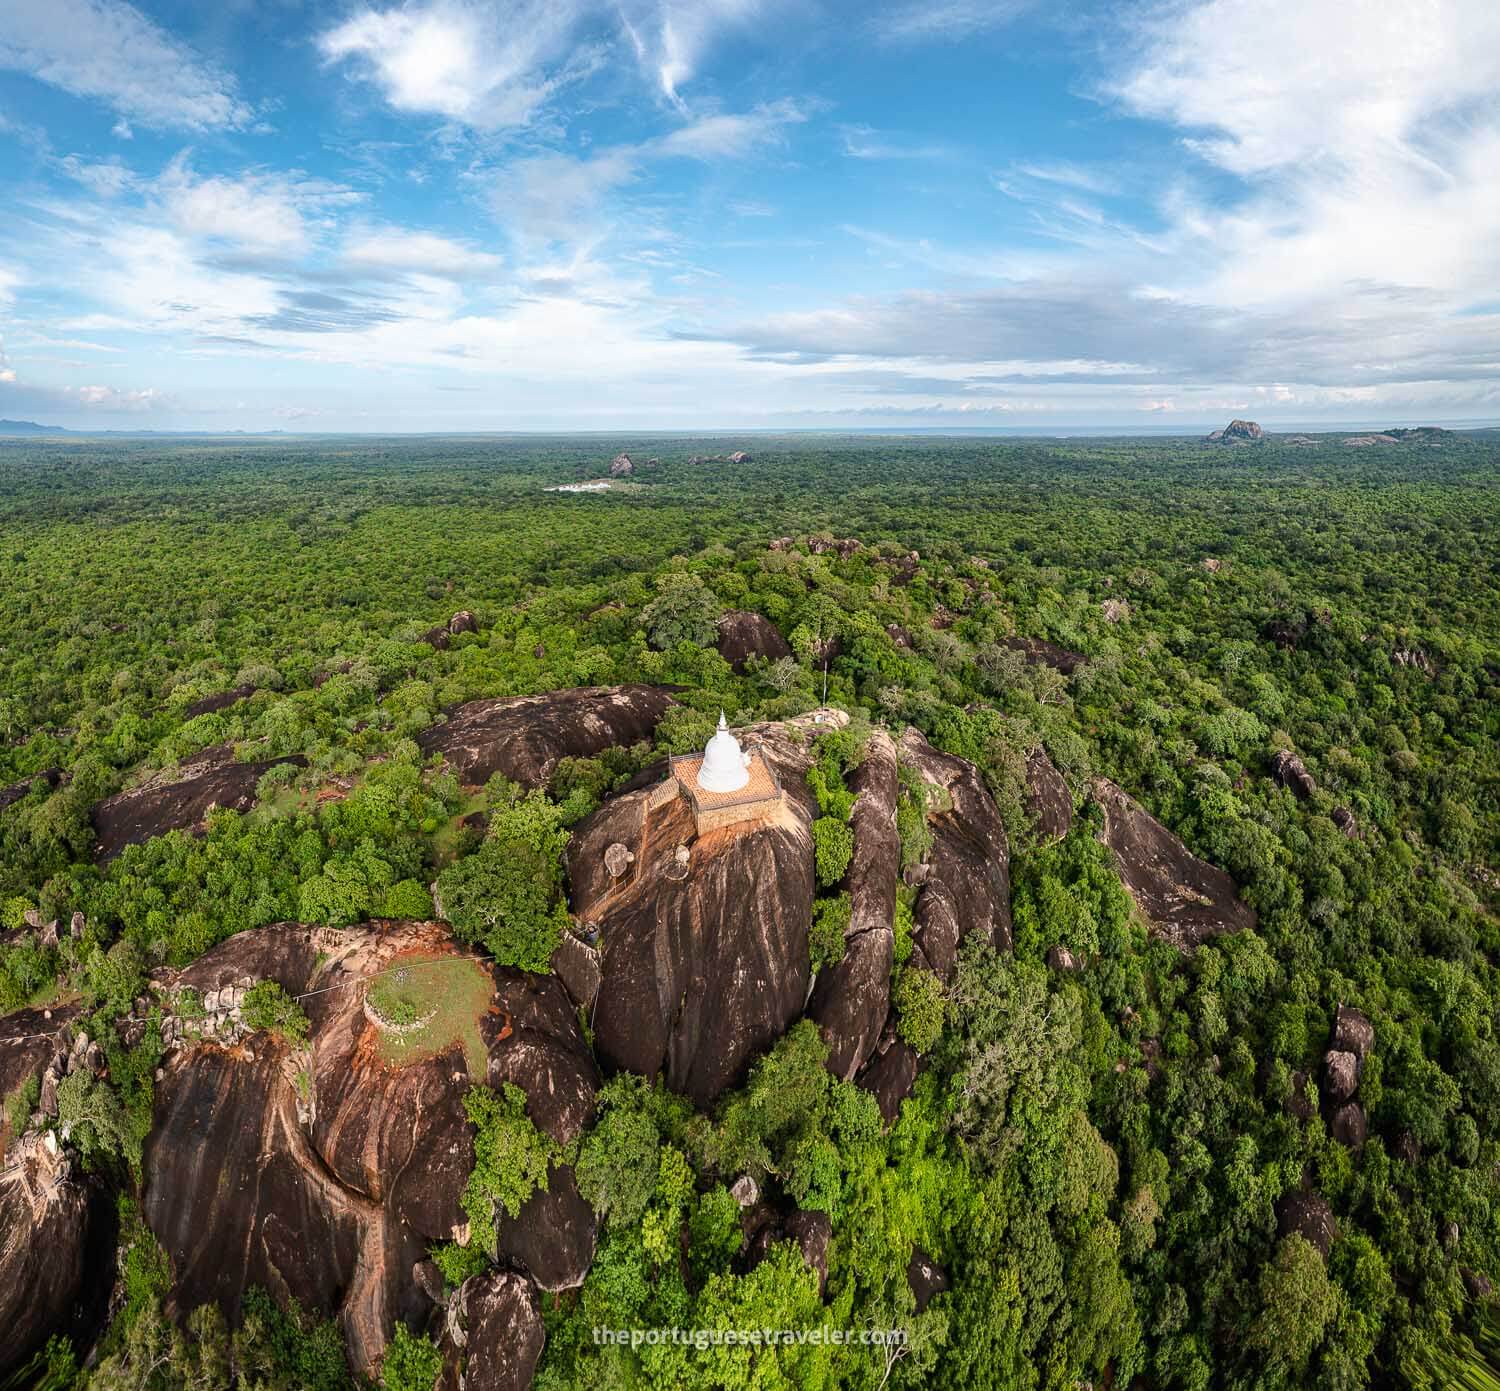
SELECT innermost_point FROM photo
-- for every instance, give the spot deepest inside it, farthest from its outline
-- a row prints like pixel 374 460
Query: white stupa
pixel 726 766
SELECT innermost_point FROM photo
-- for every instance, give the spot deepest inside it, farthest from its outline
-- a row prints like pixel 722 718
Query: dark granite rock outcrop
pixel 180 801
pixel 524 737
pixel 890 1075
pixel 495 1333
pixel 967 888
pixel 744 634
pixel 49 778
pixel 1186 899
pixel 1290 771
pixel 1042 653
pixel 1237 432
pixel 925 1278
pixel 332 1169
pixel 1049 802
pixel 220 700
pixel 852 997
pixel 1309 1216
pixel 705 965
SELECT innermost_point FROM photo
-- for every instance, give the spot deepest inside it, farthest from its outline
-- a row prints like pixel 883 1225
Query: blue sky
pixel 653 214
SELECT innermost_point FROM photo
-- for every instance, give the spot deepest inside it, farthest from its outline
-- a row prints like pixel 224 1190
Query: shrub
pixel 833 846
pixel 267 1006
pixel 920 1008
pixel 411 1363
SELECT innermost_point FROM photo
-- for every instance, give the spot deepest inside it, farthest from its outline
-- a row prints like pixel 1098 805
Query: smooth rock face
pixel 1340 1074
pixel 890 1076
pixel 45 1221
pixel 1308 1215
pixel 925 1277
pixel 335 1195
pixel 1048 800
pixel 503 1324
pixel 852 998
pixel 1353 1032
pixel 1186 899
pixel 1349 1126
pixel 968 887
pixel 744 634
pixel 220 700
pixel 553 1235
pixel 208 779
pixel 524 737
pixel 704 965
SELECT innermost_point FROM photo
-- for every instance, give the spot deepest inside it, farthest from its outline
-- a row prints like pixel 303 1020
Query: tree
pixel 683 611
pixel 833 848
pixel 920 1006
pixel 511 1158
pixel 507 895
pixel 1297 1301
pixel 411 1362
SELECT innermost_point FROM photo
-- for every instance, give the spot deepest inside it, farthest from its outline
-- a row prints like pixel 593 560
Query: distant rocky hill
pixel 1237 432
pixel 29 427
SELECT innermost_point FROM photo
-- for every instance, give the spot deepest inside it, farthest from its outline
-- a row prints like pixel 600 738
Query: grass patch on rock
pixel 433 999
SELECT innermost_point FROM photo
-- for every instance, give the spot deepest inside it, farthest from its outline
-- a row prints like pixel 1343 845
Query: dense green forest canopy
pixel 1097 1217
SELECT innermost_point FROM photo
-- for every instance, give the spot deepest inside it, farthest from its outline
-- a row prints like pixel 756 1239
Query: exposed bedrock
pixel 851 998
pixel 325 1173
pixel 967 888
pixel 494 1335
pixel 1048 799
pixel 524 737
pixel 181 801
pixel 703 966
pixel 1043 653
pixel 1187 900
pixel 744 634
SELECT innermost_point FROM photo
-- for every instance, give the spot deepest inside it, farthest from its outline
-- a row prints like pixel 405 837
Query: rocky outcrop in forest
pixel 524 737
pixel 743 635
pixel 1187 900
pixel 180 801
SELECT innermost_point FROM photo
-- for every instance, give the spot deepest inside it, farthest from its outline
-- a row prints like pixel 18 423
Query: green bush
pixel 833 848
pixel 411 1363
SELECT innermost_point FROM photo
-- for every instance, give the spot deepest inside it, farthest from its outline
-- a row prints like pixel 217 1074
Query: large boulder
pixel 744 634
pixel 54 1234
pixel 704 963
pixel 181 801
pixel 328 1170
pixel 1049 802
pixel 1290 771
pixel 1309 1216
pixel 495 1334
pixel 524 737
pixel 1340 1075
pixel 1187 900
pixel 967 886
pixel 1039 652
pixel 890 1075
pixel 1353 1032
pixel 852 997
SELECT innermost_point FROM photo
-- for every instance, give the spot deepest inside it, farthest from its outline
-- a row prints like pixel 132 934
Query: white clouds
pixel 482 64
pixel 269 214
pixel 672 37
pixel 495 64
pixel 1280 84
pixel 109 51
pixel 943 21
pixel 395 249
pixel 730 136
